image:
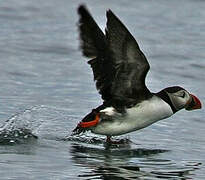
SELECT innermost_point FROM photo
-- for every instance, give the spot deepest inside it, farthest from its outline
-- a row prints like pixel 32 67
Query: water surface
pixel 46 88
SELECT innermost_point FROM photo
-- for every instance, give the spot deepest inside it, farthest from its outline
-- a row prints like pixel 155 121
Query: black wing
pixel 119 66
pixel 130 64
pixel 94 44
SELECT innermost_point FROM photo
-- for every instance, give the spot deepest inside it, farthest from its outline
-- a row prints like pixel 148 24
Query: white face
pixel 180 99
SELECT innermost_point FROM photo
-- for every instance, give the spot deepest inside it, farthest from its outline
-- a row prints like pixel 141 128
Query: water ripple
pixel 126 163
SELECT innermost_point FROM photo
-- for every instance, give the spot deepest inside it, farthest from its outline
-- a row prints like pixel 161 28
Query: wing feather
pixel 129 61
pixel 119 66
pixel 94 44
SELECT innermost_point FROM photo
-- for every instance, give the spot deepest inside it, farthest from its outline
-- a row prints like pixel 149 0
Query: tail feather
pixel 78 130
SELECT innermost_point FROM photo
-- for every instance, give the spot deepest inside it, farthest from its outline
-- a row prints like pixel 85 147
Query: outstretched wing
pixel 93 42
pixel 118 64
pixel 94 45
pixel 130 64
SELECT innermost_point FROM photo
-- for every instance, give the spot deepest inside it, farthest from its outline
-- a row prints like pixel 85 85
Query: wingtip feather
pixel 82 8
pixel 83 11
pixel 109 12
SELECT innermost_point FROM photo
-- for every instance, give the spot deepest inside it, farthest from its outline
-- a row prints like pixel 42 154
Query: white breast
pixel 138 117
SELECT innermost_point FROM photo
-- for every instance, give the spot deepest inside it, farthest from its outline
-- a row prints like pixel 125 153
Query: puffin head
pixel 180 98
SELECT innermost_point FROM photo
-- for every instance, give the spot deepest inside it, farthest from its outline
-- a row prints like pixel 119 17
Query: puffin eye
pixel 183 94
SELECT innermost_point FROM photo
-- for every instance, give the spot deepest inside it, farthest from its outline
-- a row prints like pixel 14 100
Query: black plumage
pixel 120 69
pixel 118 64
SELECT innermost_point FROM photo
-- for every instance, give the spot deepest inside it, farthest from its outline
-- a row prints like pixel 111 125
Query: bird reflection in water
pixel 125 162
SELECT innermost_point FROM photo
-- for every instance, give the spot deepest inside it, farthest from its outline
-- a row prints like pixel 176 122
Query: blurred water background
pixel 46 87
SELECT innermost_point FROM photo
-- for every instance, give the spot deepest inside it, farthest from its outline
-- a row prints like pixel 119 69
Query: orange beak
pixel 193 103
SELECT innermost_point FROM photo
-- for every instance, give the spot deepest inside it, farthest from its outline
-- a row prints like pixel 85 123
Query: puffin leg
pixel 110 141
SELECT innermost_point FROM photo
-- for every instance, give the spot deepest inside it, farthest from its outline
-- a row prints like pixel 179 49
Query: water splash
pixel 21 127
pixel 91 138
pixel 38 121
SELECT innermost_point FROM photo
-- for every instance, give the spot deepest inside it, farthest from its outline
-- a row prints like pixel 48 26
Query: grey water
pixel 46 87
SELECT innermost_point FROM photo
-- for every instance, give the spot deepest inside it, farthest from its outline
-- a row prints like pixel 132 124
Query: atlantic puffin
pixel 120 68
